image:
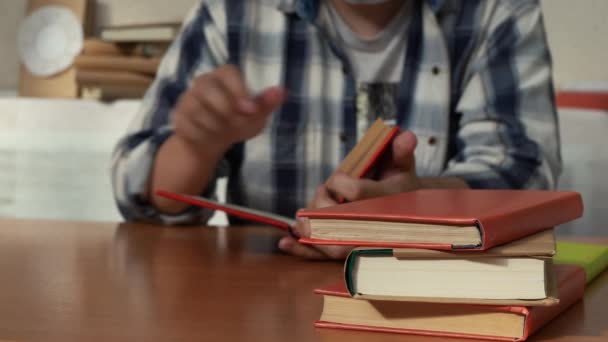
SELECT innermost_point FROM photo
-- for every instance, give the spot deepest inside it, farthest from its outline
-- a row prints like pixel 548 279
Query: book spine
pixel 571 289
pixel 118 63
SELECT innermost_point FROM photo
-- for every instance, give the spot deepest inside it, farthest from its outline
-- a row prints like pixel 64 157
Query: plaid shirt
pixel 476 89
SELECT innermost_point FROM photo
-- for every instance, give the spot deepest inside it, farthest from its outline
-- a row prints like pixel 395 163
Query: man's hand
pixel 291 246
pixel 397 174
pixel 219 110
pixel 216 112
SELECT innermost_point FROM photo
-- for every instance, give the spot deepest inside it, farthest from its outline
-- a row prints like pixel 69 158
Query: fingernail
pixel 284 244
pixel 247 106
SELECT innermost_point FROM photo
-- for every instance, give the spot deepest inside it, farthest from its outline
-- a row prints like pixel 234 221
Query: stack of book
pixel 462 263
pixel 123 64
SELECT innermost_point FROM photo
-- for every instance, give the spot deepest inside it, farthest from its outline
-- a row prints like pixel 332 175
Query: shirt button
pixel 343 137
pixel 432 141
pixel 435 70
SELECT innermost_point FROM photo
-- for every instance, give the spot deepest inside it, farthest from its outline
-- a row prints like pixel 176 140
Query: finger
pixel 345 187
pixel 353 189
pixel 270 99
pixel 231 79
pixel 213 97
pixel 184 128
pixel 187 108
pixel 322 198
pixel 335 252
pixel 187 105
pixel 302 227
pixel 198 117
pixel 403 151
pixel 290 246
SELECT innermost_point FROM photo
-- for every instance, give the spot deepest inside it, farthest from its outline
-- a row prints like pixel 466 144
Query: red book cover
pixel 571 283
pixel 501 216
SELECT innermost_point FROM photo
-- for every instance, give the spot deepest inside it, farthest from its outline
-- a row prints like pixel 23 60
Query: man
pixel 273 94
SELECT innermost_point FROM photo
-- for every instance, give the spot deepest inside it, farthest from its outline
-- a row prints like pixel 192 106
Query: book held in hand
pixel 517 273
pixel 441 218
pixel 360 162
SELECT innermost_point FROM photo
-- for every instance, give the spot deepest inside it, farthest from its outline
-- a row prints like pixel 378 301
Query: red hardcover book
pixel 441 219
pixel 502 323
pixel 359 163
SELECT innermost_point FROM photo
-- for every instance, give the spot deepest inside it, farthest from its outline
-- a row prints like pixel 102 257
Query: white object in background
pixel 49 40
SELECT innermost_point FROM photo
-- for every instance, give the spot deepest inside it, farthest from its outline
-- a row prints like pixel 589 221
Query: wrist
pixel 203 150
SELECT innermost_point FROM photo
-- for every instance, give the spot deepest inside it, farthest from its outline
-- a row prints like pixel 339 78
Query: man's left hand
pixel 396 174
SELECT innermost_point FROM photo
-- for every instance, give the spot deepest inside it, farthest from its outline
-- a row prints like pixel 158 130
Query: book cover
pixel 593 258
pixel 500 216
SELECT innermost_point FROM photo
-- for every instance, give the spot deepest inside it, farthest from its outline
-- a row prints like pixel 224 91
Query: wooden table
pixel 65 282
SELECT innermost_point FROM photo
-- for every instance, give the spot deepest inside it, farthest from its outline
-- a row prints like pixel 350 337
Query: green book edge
pixel 592 258
pixel 350 263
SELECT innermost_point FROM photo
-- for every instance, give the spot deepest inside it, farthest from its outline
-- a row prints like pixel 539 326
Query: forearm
pixel 442 183
pixel 182 168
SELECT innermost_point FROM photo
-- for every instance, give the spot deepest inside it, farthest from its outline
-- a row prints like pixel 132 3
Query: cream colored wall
pixel 578 38
pixel 11 11
pixel 577 33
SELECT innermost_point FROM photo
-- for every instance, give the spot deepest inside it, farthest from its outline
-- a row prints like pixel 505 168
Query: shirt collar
pixel 308 9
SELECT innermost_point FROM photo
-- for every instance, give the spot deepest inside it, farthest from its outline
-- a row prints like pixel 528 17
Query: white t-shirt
pixel 376 63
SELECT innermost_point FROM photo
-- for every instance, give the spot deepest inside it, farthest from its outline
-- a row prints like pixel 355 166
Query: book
pixel 120 78
pixel 592 257
pixel 99 48
pixel 517 273
pixel 118 63
pixel 96 47
pixel 441 218
pixel 494 322
pixel 141 33
pixel 110 92
pixel 358 163
pixel 143 12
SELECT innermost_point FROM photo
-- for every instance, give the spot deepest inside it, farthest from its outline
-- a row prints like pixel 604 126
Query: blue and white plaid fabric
pixel 476 89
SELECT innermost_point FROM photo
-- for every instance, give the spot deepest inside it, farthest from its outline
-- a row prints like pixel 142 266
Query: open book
pixel 359 163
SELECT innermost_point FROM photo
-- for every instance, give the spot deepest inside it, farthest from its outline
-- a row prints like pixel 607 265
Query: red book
pixel 441 219
pixel 502 323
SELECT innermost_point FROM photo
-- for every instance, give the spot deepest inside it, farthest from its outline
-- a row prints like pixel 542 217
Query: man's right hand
pixel 215 113
pixel 218 109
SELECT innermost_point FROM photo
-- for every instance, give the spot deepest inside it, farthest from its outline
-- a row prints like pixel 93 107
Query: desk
pixel 69 281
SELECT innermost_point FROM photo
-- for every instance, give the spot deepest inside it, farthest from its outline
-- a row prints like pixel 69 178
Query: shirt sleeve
pixel 508 135
pixel 199 48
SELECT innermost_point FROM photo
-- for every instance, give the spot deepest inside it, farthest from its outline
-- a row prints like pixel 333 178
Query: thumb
pixel 403 151
pixel 270 99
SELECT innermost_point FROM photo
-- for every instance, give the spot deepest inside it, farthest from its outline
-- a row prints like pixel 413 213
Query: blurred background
pixel 55 153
